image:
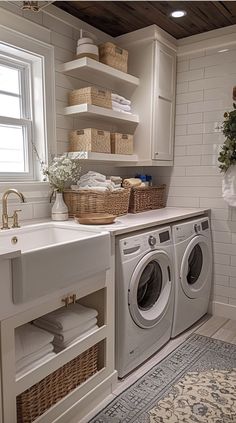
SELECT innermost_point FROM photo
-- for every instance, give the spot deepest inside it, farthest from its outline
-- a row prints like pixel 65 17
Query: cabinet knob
pixel 66 301
pixel 73 298
pixel 156 154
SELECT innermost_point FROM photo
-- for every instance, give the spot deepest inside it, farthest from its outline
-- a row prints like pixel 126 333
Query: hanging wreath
pixel 227 156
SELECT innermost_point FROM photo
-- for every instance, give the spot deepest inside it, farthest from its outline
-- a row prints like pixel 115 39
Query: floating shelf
pixel 97 73
pixel 105 157
pixel 101 113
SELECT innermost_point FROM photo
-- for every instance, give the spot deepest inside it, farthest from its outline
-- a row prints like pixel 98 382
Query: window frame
pixel 44 116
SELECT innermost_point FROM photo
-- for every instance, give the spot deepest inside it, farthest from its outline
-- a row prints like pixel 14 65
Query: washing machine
pixel 144 296
pixel 193 272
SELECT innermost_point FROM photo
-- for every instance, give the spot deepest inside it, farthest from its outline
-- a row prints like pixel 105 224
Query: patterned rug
pixel 195 383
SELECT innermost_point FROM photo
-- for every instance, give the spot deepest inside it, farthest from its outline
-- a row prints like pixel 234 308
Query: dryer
pixel 193 272
pixel 144 296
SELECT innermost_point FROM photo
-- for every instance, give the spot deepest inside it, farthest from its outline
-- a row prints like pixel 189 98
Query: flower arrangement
pixel 227 156
pixel 62 172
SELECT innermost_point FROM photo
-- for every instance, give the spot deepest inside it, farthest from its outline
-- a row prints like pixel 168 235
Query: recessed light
pixel 223 50
pixel 178 13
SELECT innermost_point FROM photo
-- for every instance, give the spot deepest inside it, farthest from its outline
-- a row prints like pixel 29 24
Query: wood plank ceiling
pixel 120 17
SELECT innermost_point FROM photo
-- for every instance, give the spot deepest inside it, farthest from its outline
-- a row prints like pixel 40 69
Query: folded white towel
pixel 96 175
pixel 116 109
pixel 62 345
pixel 31 358
pixel 119 99
pixel 29 339
pixel 124 107
pixel 65 335
pixel 35 365
pixel 69 318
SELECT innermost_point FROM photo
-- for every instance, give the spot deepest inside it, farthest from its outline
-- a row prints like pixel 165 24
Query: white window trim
pixel 47 120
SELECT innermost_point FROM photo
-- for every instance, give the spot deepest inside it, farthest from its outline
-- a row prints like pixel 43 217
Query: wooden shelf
pixel 101 113
pixel 105 157
pixel 97 73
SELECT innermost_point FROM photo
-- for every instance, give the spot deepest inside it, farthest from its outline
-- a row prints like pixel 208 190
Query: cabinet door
pixel 163 102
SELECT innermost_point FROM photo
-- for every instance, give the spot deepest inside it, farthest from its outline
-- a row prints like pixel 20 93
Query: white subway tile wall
pixel 204 92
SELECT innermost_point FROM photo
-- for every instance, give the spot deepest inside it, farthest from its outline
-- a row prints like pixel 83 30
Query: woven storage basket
pixel 112 202
pixel 147 198
pixel 113 56
pixel 40 397
pixel 90 139
pixel 91 95
pixel 121 143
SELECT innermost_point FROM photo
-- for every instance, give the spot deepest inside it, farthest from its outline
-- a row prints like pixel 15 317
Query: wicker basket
pixel 121 143
pixel 147 198
pixel 90 139
pixel 40 397
pixel 112 202
pixel 91 95
pixel 113 56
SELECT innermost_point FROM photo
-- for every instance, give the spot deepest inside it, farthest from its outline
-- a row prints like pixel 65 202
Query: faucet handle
pixel 16 219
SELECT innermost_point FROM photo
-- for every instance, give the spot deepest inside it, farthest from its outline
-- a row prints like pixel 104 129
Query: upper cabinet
pixel 162 137
pixel 152 56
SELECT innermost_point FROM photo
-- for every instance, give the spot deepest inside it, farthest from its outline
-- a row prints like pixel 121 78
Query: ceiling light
pixel 178 13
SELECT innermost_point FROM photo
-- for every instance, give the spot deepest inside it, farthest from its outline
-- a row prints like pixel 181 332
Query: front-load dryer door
pixel 150 289
pixel 196 267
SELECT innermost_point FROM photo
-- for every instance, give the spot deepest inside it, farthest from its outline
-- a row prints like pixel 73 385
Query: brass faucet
pixel 5 217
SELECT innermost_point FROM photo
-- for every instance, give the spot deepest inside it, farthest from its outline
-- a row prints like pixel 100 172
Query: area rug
pixel 195 383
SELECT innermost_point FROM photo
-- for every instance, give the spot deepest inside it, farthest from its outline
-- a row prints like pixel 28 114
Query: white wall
pixel 60 30
pixel 204 92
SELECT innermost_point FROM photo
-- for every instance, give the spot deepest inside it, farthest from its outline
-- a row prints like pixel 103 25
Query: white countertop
pixel 135 222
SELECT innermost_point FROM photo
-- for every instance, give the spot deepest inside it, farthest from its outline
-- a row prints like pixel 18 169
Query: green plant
pixel 227 156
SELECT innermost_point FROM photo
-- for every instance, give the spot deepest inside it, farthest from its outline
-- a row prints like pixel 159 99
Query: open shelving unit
pixel 105 157
pixel 97 73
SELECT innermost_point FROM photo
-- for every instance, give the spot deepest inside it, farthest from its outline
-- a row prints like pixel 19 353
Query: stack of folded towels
pixel 120 104
pixel 97 182
pixel 33 347
pixel 68 325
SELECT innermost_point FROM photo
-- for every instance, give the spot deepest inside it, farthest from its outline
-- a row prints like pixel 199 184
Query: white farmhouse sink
pixel 53 256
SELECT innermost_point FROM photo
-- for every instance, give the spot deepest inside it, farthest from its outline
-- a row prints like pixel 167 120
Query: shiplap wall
pixel 64 32
pixel 204 92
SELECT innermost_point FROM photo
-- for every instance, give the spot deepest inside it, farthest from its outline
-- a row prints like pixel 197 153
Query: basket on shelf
pixel 91 95
pixel 90 139
pixel 112 202
pixel 113 56
pixel 121 143
pixel 147 198
pixel 33 402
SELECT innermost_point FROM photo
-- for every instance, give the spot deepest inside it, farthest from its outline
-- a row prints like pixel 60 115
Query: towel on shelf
pixel 123 107
pixel 68 318
pixel 116 109
pixel 67 335
pixel 95 175
pixel 31 358
pixel 132 182
pixel 119 99
pixel 35 364
pixel 29 339
pixel 62 345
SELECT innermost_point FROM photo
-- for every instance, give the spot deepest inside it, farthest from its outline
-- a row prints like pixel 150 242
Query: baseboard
pixel 225 310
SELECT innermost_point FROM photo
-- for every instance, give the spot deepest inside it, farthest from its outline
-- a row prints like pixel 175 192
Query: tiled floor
pixel 213 326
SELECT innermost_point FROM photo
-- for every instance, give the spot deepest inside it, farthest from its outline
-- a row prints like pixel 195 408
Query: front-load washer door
pixel 150 289
pixel 195 267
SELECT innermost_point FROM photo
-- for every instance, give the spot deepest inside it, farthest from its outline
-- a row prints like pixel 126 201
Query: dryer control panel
pixel 187 230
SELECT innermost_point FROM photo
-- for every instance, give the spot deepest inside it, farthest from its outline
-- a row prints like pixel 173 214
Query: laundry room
pixel 118 211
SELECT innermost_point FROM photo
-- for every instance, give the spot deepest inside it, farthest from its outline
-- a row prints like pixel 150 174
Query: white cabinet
pixel 162 137
pixel 152 56
pixel 97 292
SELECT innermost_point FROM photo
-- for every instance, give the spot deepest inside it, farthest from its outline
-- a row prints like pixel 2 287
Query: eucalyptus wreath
pixel 227 155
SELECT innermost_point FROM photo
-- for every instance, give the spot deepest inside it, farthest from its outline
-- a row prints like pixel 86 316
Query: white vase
pixel 59 208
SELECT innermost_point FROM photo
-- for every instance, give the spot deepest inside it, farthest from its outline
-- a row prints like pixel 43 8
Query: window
pixel 15 117
pixel 27 106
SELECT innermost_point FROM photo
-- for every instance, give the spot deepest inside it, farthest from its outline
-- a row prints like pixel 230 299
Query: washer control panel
pixel 152 240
